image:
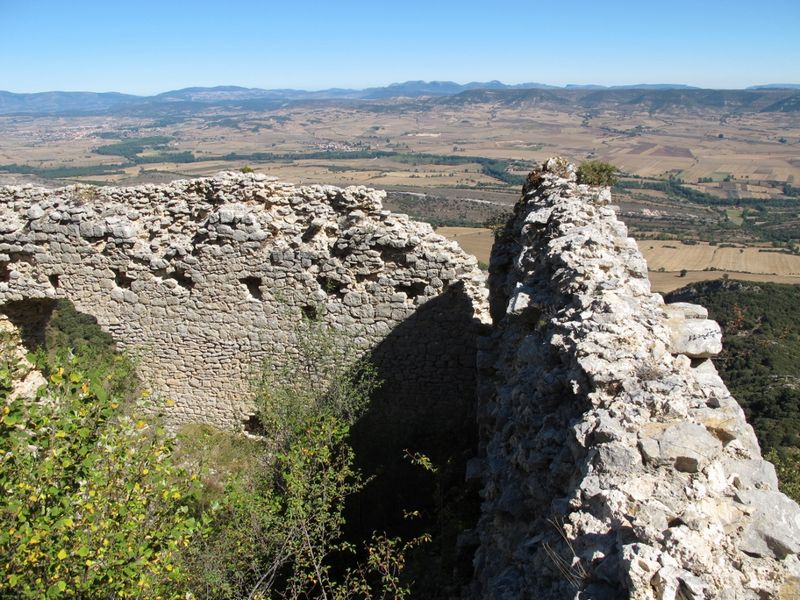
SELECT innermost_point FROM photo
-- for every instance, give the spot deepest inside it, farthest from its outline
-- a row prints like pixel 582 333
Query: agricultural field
pixel 711 171
pixel 674 264
pixel 674 256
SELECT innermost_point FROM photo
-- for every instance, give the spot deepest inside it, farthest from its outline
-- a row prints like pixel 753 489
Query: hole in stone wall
pixel 412 290
pixel 330 286
pixel 5 273
pixel 53 279
pixel 122 279
pixel 676 522
pixel 368 277
pixel 310 312
pixel 253 285
pixel 393 255
pixel 253 425
pixel 22 257
pixel 183 279
pixel 309 233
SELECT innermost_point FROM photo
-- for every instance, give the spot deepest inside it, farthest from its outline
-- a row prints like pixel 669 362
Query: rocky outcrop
pixel 615 462
pixel 205 279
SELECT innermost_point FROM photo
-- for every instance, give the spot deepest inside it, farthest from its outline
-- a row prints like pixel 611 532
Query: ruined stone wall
pixel 202 280
pixel 615 463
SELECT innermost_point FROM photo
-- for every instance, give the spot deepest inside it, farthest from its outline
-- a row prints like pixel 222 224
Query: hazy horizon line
pixel 315 89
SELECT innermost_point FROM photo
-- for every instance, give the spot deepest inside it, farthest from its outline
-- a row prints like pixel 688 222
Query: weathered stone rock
pixel 26 379
pixel 774 528
pixel 685 310
pixel 688 447
pixel 749 474
pixel 696 338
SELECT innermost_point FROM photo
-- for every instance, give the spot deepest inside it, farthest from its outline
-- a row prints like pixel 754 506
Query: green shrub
pixel 596 172
pixel 787 465
pixel 276 527
pixel 91 504
pixel 98 501
pixel 497 223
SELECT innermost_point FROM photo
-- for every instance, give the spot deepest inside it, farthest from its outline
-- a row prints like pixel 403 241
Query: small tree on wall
pixel 597 172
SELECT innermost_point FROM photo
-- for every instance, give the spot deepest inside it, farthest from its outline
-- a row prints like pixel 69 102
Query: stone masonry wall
pixel 615 463
pixel 204 279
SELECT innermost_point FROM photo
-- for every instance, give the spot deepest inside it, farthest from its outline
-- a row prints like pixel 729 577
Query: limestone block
pixel 696 338
pixel 35 212
pixel 774 528
pixel 689 447
pixel 706 374
pixel 685 310
pixel 748 474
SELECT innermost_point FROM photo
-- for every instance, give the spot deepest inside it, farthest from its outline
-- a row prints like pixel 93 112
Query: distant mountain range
pixel 776 86
pixel 198 98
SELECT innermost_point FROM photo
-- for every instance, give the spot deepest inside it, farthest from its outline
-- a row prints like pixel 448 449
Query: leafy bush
pixel 74 338
pixel 787 465
pixel 91 504
pixel 497 222
pixel 97 500
pixel 276 528
pixel 597 172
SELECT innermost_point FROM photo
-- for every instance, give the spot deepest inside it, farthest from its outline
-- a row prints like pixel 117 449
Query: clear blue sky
pixel 145 47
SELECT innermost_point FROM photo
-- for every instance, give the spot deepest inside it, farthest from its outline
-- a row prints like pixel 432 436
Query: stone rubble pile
pixel 204 279
pixel 615 463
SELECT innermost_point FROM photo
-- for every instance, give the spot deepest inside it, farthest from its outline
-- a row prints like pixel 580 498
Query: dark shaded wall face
pixel 427 405
pixel 427 364
pixel 31 318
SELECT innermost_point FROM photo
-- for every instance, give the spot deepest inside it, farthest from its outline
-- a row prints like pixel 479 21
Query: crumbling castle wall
pixel 202 280
pixel 614 461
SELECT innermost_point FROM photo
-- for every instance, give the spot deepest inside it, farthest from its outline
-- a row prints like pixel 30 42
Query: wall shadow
pixel 30 317
pixel 427 405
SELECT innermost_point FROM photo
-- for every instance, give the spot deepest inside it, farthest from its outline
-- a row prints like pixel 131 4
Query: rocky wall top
pixel 615 462
pixel 204 279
